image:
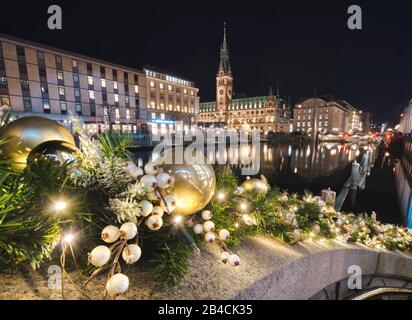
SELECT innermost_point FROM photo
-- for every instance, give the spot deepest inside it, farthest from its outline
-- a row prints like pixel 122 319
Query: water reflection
pixel 403 175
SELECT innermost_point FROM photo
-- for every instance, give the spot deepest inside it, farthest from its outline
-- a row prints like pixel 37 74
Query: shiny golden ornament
pixel 28 133
pixel 58 151
pixel 194 182
pixel 255 184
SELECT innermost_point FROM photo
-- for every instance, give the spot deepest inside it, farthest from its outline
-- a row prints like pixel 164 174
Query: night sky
pixel 300 44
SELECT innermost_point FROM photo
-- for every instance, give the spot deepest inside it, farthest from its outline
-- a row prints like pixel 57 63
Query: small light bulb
pixel 60 205
pixel 178 219
pixel 243 206
pixel 237 225
pixel 221 196
pixel 68 238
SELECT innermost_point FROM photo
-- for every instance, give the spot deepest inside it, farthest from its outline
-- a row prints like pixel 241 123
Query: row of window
pixel 309 124
pixel 162 86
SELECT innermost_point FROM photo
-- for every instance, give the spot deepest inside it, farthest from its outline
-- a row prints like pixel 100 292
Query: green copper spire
pixel 224 67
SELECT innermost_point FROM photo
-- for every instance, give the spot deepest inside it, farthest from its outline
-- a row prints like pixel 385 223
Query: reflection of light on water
pixel 290 151
pixel 296 170
pixel 308 151
pixel 333 152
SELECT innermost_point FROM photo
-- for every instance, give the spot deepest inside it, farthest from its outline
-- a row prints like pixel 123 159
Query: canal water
pixel 296 168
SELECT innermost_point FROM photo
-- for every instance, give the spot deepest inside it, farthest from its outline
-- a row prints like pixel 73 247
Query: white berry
pixel 99 256
pixel 224 235
pixel 117 285
pixel 198 228
pixel 136 173
pixel 154 223
pixel 234 260
pixel 149 182
pixel 206 215
pixel 128 231
pixel 208 226
pixel 169 203
pixel 132 253
pixel 210 237
pixel 151 169
pixel 164 180
pixel 110 234
pixel 225 257
pixel 158 211
pixel 147 208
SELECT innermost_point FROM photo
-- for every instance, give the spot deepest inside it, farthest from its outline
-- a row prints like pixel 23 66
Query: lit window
pixel 152 84
pixel 79 108
pixel 91 94
pixel 116 98
pixel 3 82
pixel 60 75
pixel 169 87
pixel 115 85
pixel 117 112
pixel 136 89
pixel 152 104
pixel 192 93
pixel 90 80
pixel 161 86
pixel 126 100
pixel 62 91
pixel 76 77
pixel 46 106
pixel 74 63
pixel 162 106
pixel 103 81
pixel 127 114
pixel 153 116
pixel 162 116
pixel 185 91
pixel 77 92
pixel 178 108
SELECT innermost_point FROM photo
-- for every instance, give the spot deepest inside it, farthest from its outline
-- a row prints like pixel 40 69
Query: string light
pixel 243 206
pixel 68 238
pixel 60 206
pixel 221 196
pixel 178 219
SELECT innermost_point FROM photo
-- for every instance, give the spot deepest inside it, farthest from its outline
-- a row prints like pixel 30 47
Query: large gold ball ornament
pixel 58 151
pixel 28 133
pixel 194 183
pixel 255 184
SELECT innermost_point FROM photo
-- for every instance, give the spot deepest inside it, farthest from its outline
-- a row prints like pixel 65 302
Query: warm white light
pixel 68 238
pixel 243 206
pixel 178 219
pixel 60 205
pixel 237 225
pixel 221 196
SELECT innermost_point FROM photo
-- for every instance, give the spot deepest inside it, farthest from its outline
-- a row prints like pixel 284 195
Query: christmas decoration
pixel 194 183
pixel 128 231
pixel 25 134
pixel 117 285
pixel 99 256
pixel 131 253
pixel 110 234
pixel 57 151
pixel 260 185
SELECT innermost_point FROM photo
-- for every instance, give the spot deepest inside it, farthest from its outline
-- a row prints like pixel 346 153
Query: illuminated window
pixel 60 75
pixel 178 108
pixel 185 91
pixel 162 116
pixel 117 113
pixel 152 84
pixel 103 82
pixel 152 104
pixel 169 87
pixel 90 80
pixel 115 85
pixel 161 86
pixel 153 116
pixel 46 106
pixel 74 63
pixel 3 82
pixel 91 94
pixel 162 106
pixel 116 98
pixel 77 93
pixel 127 114
pixel 136 89
pixel 62 91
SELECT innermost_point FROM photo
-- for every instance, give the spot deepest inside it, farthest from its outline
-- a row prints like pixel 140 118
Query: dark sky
pixel 300 44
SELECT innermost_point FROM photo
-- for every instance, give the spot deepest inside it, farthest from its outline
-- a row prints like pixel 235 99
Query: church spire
pixel 224 66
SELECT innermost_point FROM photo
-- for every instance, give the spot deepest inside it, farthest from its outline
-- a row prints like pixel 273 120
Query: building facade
pixel 43 81
pixel 170 101
pixel 267 113
pixel 326 115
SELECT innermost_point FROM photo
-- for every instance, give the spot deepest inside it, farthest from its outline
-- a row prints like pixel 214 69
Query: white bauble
pixel 149 183
pixel 190 223
pixel 316 229
pixel 208 226
pixel 284 198
pixel 224 234
pixel 225 257
pixel 117 285
pixel 132 253
pixel 151 169
pixel 128 231
pixel 154 223
pixel 234 260
pixel 164 180
pixel 110 234
pixel 99 256
pixel 169 204
pixel 158 211
pixel 198 228
pixel 130 166
pixel 248 219
pixel 207 215
pixel 147 208
pixel 210 237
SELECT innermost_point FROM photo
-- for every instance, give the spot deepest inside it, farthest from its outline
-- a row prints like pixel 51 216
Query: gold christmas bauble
pixel 28 133
pixel 194 182
pixel 58 151
pixel 255 184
